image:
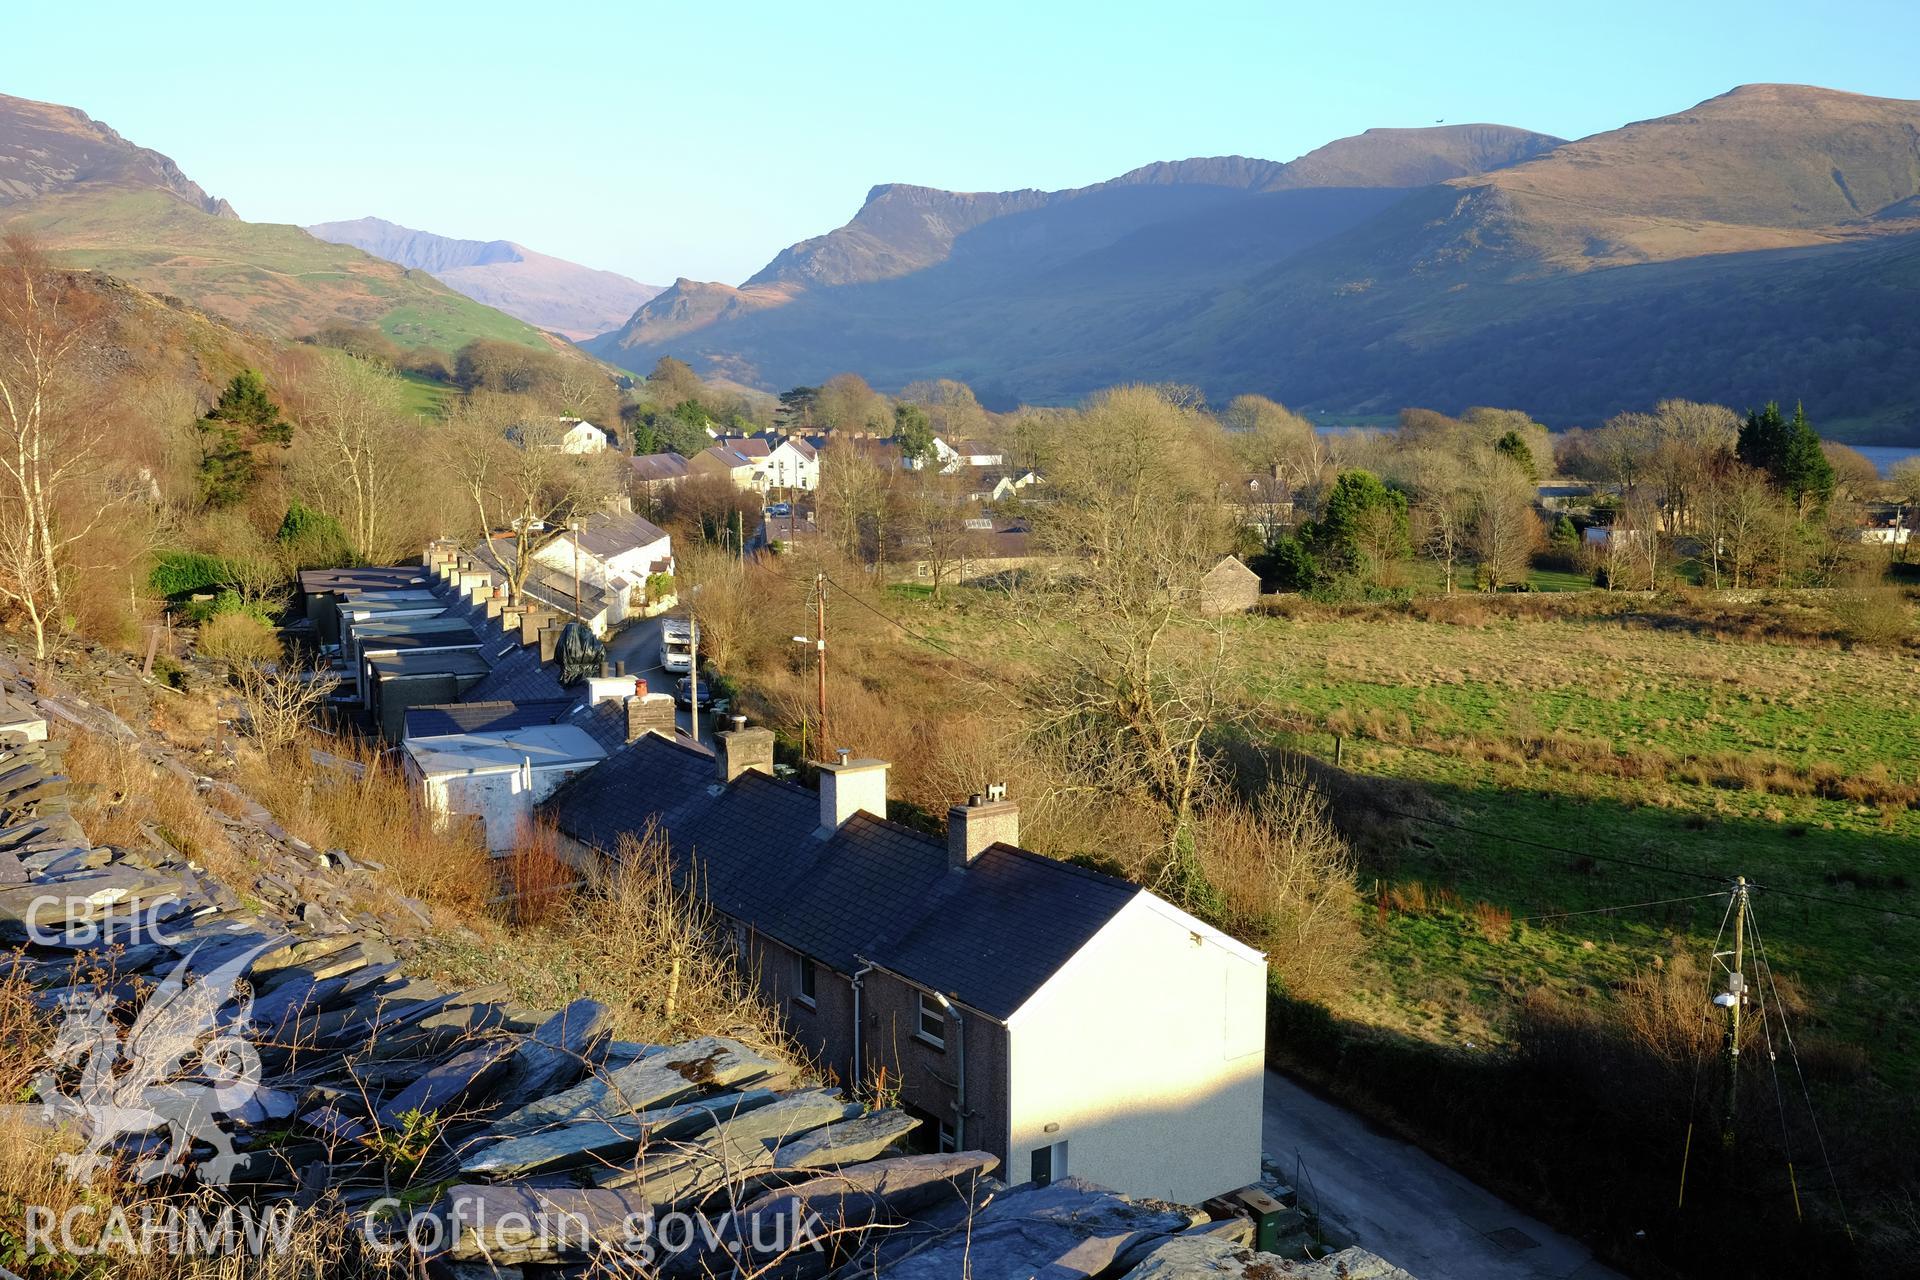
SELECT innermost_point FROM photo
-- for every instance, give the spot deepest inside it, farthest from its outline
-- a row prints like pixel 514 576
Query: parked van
pixel 678 636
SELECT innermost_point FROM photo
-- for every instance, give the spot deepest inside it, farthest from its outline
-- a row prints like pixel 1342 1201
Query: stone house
pixel 1228 587
pixel 1065 1020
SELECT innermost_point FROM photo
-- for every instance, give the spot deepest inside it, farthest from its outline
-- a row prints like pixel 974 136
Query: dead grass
pixel 352 796
pixel 631 938
pixel 537 878
pixel 128 801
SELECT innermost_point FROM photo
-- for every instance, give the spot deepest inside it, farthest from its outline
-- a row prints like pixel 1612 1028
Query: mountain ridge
pixel 570 299
pixel 904 228
pixel 99 202
pixel 47 146
pixel 1302 282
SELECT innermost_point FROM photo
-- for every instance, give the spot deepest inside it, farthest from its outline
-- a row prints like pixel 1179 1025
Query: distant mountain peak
pixel 565 297
pixel 45 147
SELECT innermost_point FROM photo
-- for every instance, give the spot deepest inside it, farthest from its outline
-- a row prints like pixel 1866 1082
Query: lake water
pixel 1884 456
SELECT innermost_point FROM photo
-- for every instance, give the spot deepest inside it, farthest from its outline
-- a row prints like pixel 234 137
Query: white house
pixel 1067 1021
pixel 616 553
pixel 570 435
pixel 792 463
pixel 497 777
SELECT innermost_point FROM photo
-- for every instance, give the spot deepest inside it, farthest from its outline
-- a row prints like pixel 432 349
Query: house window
pixel 933 1022
pixel 949 1140
pixel 806 981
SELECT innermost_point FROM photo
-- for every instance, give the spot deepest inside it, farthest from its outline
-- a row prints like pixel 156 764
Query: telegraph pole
pixel 820 655
pixel 1734 999
pixel 573 530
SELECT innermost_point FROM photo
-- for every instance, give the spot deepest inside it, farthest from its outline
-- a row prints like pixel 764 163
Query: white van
pixel 678 637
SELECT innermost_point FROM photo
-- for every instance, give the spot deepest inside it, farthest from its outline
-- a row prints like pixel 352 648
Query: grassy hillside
pixel 275 278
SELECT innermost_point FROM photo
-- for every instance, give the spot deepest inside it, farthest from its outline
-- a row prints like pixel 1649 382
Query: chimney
pixel 982 821
pixel 530 623
pixel 850 787
pixel 739 749
pixel 549 643
pixel 649 713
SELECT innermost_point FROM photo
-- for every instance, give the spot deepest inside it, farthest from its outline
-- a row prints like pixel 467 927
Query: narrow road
pixel 1404 1205
pixel 639 647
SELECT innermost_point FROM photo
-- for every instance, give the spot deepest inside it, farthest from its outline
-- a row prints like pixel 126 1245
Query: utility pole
pixel 820 658
pixel 1734 998
pixel 573 531
pixel 693 673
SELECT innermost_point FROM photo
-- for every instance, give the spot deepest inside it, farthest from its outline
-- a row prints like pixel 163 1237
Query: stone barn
pixel 1228 587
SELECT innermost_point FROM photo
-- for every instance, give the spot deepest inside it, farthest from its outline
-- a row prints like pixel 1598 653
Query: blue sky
pixel 699 139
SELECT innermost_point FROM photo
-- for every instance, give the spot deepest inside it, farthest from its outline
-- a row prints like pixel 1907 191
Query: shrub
pixel 1873 615
pixel 180 573
pixel 313 539
pixel 238 637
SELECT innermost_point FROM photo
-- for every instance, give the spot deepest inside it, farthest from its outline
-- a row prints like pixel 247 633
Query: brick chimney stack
pixel 980 822
pixel 739 749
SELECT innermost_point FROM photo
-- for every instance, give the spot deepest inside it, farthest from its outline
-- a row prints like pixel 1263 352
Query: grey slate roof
pixel 390 638
pixel 990 935
pixel 518 676
pixel 451 662
pixel 481 717
pixel 609 535
pixel 368 578
pixel 659 466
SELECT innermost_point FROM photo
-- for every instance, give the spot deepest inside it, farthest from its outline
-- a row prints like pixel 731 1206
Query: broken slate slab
pixel 738 1147
pixel 461 1078
pixel 603 1141
pixel 850 1141
pixel 900 1187
pixel 1203 1257
pixel 560 1051
pixel 674 1075
pixel 518 1224
pixel 1068 1230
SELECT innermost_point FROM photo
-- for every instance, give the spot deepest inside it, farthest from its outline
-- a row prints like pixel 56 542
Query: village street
pixel 639 647
pixel 1396 1200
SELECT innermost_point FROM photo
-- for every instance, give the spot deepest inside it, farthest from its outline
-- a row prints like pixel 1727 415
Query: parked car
pixel 782 509
pixel 690 688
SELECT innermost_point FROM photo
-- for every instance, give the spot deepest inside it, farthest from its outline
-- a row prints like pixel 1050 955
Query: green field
pixel 1621 743
pixel 1616 731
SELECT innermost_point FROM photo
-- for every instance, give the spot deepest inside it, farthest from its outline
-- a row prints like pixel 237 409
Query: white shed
pixel 498 777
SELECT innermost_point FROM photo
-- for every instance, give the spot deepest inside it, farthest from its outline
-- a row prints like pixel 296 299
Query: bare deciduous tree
pixel 522 490
pixel 1132 679
pixel 357 452
pixel 1505 531
pixel 280 702
pixel 1443 509
pixel 55 480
